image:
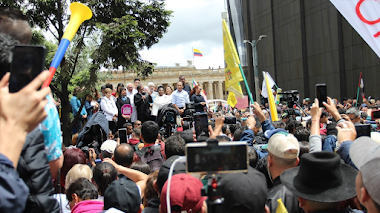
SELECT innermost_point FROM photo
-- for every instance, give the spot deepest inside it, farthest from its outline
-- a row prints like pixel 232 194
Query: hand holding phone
pixel 321 93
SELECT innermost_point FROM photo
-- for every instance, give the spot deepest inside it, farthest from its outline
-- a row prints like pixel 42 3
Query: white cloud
pixel 195 24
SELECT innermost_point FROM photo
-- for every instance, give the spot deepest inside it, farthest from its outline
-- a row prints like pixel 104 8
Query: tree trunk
pixel 65 115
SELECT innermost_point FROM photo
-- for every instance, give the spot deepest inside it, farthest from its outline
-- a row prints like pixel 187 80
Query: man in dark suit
pixel 142 102
pixel 186 87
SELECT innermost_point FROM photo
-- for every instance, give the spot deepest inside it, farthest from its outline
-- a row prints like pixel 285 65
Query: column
pixel 210 90
pixel 220 90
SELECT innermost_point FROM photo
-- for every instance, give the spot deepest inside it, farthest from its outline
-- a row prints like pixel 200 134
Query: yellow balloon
pixel 79 14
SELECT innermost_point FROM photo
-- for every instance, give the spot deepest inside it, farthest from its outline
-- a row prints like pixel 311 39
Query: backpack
pixel 151 156
pixel 136 146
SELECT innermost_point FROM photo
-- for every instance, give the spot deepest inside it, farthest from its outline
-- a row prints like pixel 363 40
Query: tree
pixel 118 30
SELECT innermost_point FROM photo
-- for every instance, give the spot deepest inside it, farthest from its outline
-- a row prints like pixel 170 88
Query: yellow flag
pixel 272 105
pixel 232 71
pixel 281 207
pixel 231 101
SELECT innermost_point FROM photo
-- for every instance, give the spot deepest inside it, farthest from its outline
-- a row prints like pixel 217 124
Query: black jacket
pixel 288 198
pixel 119 103
pixel 142 106
pixel 262 167
pixel 187 88
pixel 33 167
pixel 152 206
pixel 259 138
pixel 197 99
pixel 97 127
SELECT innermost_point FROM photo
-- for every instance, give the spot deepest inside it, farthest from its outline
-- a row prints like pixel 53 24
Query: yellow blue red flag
pixel 197 52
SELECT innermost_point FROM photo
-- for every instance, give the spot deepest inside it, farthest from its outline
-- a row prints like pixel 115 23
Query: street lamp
pixel 255 63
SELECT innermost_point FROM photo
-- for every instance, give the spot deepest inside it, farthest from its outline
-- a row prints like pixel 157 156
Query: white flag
pixel 264 91
pixel 364 17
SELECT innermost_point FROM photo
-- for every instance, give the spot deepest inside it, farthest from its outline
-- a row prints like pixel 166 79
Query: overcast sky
pixel 197 24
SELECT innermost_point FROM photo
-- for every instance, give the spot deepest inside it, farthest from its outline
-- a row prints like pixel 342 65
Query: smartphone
pixel 27 63
pixel 201 124
pixel 375 114
pixel 321 93
pixel 123 135
pixel 222 157
pixel 363 130
pixel 230 120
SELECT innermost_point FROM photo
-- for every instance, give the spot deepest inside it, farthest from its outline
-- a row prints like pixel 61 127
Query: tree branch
pixel 53 34
pixel 77 56
pixel 56 90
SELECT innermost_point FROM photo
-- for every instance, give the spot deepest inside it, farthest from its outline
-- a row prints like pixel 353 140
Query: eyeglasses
pixel 138 124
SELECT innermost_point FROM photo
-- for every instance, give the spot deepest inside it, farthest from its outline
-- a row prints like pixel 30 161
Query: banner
pixel 232 70
pixel 364 17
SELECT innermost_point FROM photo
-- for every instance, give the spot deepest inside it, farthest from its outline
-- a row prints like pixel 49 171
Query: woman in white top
pixel 168 92
pixel 109 108
pixel 160 101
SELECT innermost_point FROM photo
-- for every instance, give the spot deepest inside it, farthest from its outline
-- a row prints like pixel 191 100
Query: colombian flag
pixel 197 52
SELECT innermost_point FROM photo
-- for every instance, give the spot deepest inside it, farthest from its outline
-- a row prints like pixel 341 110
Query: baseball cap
pixel 123 195
pixel 269 133
pixel 244 190
pixel 185 194
pixel 284 115
pixel 365 154
pixel 307 99
pixel 164 170
pixel 284 146
pixel 108 146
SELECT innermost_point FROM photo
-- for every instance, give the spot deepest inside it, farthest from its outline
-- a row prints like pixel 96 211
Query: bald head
pixel 15 24
pixel 124 155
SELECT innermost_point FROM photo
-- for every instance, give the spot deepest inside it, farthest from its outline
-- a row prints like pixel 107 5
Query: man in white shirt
pixel 131 94
pixel 180 97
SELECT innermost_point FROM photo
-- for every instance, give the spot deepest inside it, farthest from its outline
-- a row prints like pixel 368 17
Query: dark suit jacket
pixel 142 106
pixel 120 103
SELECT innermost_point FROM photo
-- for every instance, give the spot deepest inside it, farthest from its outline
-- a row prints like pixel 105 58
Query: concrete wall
pixel 309 42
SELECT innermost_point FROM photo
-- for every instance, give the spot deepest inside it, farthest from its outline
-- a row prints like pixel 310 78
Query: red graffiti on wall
pixel 361 17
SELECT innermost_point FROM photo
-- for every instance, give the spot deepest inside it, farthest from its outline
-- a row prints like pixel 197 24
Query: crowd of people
pixel 310 160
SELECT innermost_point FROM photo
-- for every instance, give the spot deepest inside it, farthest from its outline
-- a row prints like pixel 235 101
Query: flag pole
pixel 246 85
pixel 357 96
pixel 193 56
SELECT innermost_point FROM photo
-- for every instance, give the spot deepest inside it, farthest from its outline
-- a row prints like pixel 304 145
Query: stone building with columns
pixel 211 80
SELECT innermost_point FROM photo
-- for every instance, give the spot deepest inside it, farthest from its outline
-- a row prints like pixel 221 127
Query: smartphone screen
pixel 201 124
pixel 363 130
pixel 27 63
pixel 224 157
pixel 123 135
pixel 321 93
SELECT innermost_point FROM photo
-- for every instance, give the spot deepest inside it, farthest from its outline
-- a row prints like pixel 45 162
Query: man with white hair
pixel 131 94
pixel 152 88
